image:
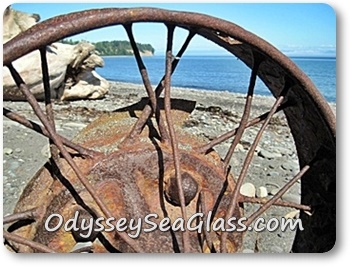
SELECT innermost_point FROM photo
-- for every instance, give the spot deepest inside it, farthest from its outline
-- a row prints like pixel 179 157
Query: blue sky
pixel 297 29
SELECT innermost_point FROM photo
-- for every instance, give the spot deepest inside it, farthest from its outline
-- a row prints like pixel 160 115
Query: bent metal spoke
pixel 248 159
pixel 152 97
pixel 48 103
pixel 220 139
pixel 147 111
pixel 173 138
pixel 257 61
pixel 84 152
pixel 273 200
pixel 20 240
pixel 29 214
pixel 57 141
pixel 303 106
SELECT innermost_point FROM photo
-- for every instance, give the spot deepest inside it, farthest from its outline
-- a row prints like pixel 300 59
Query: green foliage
pixel 112 48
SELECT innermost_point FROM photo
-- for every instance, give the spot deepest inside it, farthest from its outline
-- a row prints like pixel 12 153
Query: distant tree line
pixel 112 48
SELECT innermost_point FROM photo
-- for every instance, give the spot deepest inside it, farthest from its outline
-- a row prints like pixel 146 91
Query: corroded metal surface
pixel 107 150
pixel 133 182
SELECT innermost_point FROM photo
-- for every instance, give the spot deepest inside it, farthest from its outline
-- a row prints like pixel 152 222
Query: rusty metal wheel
pixel 124 167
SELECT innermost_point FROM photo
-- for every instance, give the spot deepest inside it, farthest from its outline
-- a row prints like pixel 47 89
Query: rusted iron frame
pixel 222 138
pixel 248 104
pixel 34 245
pixel 58 142
pixel 25 215
pixel 281 203
pixel 84 152
pixel 275 56
pixel 151 94
pixel 247 161
pixel 172 133
pixel 48 104
pixel 147 111
pixel 275 198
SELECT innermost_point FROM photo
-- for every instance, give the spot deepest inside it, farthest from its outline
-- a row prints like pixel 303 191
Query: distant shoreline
pixel 194 89
pixel 219 98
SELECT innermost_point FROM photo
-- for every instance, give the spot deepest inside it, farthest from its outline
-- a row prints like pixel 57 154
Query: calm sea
pixel 220 73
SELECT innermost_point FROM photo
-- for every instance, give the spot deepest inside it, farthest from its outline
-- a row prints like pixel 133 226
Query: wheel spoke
pixel 152 96
pixel 276 197
pixel 85 152
pixel 262 201
pixel 173 138
pixel 257 61
pixel 222 138
pixel 248 159
pixel 147 111
pixel 34 245
pixel 48 104
pixel 57 141
pixel 205 211
pixel 25 215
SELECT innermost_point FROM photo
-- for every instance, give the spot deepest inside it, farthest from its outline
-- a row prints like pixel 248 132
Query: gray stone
pixel 277 249
pixel 75 124
pixel 268 155
pixel 274 191
pixel 14 165
pixel 283 151
pixel 247 250
pixel 288 166
pixel 273 174
pixel 291 198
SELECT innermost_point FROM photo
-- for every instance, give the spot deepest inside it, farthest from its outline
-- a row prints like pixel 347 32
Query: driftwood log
pixel 71 67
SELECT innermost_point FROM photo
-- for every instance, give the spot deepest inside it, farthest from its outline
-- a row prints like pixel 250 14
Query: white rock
pixel 45 151
pixel 261 192
pixel 292 215
pixel 81 245
pixel 8 151
pixel 248 190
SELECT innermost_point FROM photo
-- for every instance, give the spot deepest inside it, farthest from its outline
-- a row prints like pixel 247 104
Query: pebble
pixel 293 214
pixel 283 151
pixel 14 165
pixel 268 155
pixel 247 250
pixel 287 166
pixel 81 245
pixel 273 174
pixel 45 151
pixel 261 192
pixel 7 151
pixel 291 198
pixel 276 249
pixel 248 190
pixel 274 191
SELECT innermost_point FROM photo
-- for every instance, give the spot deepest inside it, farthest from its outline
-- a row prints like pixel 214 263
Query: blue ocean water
pixel 220 73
